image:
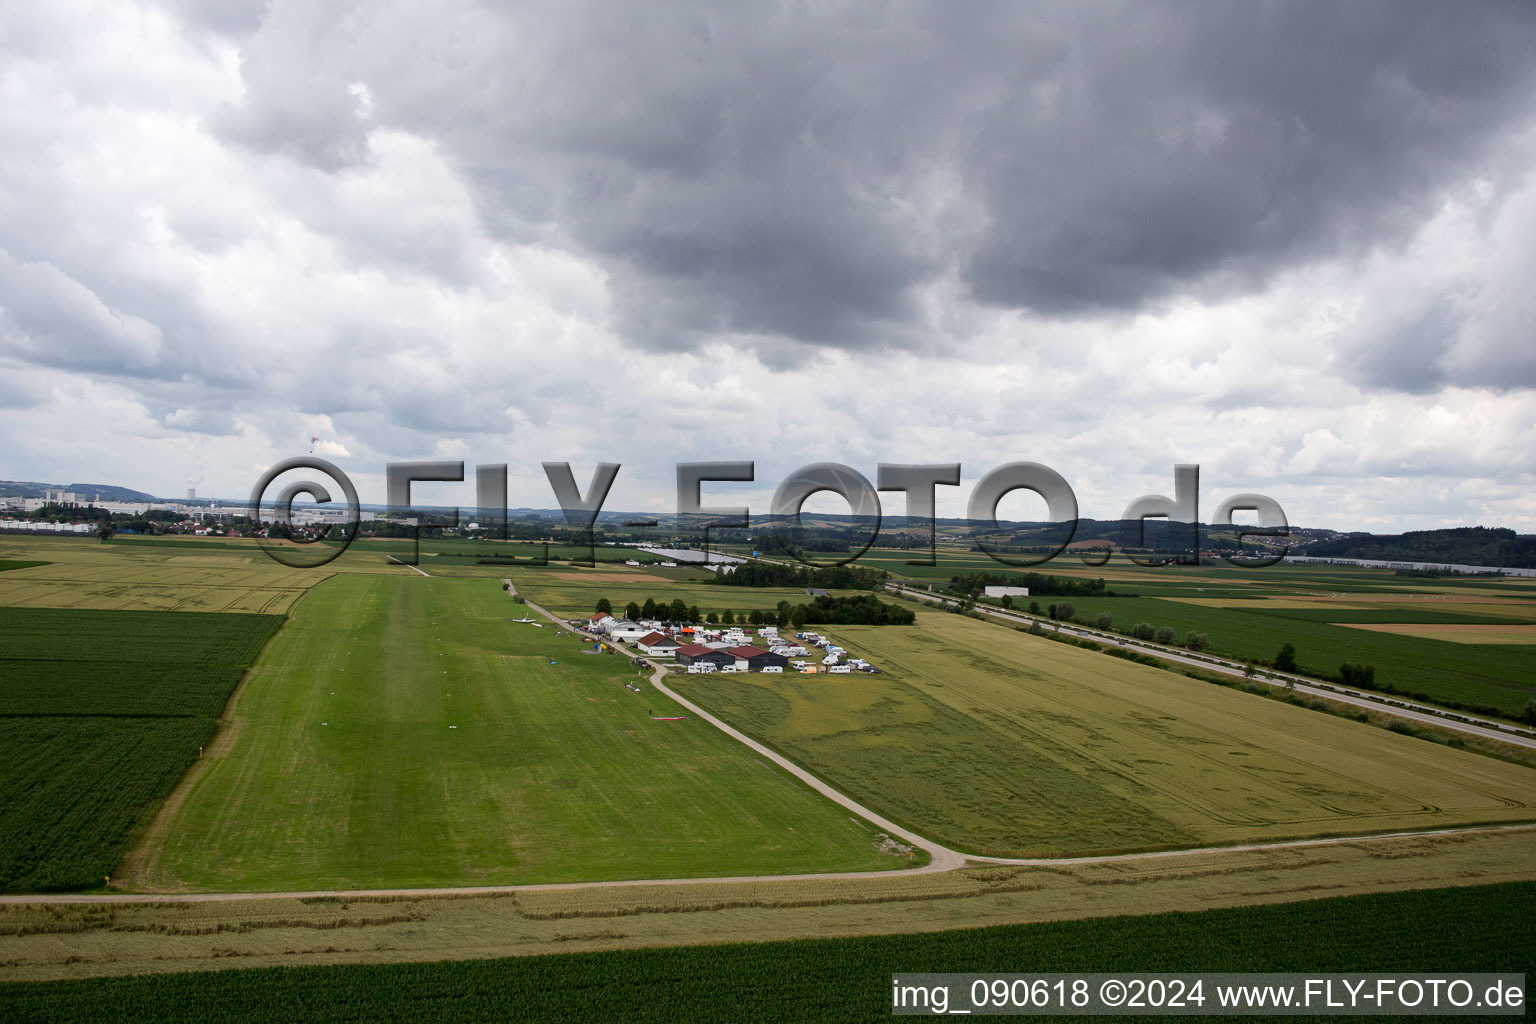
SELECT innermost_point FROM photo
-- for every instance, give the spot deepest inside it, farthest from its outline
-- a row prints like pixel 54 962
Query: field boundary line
pixel 143 856
pixel 966 861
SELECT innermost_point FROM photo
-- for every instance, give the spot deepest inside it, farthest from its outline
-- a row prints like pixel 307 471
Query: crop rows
pixel 157 638
pixel 827 979
pixel 100 713
pixel 76 789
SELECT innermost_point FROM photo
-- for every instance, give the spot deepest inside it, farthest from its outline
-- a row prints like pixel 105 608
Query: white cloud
pixel 431 232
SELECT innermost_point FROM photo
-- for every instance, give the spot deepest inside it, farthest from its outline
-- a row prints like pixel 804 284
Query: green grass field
pixel 997 742
pixel 100 713
pixel 825 980
pixel 404 732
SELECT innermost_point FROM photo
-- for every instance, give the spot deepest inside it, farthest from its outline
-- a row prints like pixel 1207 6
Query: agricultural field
pixel 576 591
pixel 1457 632
pixel 100 714
pixel 43 942
pixel 829 979
pixel 1320 609
pixel 996 742
pixel 405 732
pixel 1499 675
pixel 164 574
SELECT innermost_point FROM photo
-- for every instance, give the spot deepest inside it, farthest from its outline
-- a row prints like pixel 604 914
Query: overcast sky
pixel 1291 242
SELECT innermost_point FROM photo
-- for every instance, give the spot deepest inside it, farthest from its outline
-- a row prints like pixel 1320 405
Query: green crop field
pixel 404 732
pixel 100 713
pixel 824 980
pixel 1000 743
pixel 1493 675
pixel 8 564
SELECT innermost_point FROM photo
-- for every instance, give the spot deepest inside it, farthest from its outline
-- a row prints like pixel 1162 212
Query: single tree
pixel 605 606
pixel 1285 660
pixel 1196 641
pixel 104 530
pixel 1363 676
pixel 1050 612
pixel 1007 601
pixel 1142 631
pixel 1105 621
pixel 1034 607
pixel 712 619
pixel 1065 611
pixel 693 613
pixel 1528 716
pixel 1166 635
pixel 755 617
pixel 632 611
pixel 648 610
pixel 728 619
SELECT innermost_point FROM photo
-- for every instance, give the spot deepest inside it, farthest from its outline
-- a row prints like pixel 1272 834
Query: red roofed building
pixel 657 644
pixel 690 653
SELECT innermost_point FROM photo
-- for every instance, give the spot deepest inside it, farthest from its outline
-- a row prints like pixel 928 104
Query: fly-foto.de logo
pixel 917 483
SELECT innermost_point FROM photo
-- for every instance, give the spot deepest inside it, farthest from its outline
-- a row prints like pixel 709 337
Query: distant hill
pixel 108 492
pixel 1464 545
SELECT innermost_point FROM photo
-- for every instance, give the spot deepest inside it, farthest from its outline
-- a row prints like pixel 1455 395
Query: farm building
pixel 697 654
pixel 1006 592
pixel 658 645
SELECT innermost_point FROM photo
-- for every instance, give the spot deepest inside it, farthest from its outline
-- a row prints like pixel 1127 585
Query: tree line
pixel 1037 582
pixel 774 574
pixel 860 610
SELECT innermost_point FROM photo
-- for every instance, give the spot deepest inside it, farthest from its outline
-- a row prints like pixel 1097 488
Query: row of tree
pixel 1462 545
pixel 860 610
pixel 775 574
pixel 1037 582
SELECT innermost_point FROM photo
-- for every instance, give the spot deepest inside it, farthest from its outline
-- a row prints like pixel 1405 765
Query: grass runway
pixel 404 732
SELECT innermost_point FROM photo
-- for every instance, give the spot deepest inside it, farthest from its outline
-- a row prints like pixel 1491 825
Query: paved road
pixel 1469 724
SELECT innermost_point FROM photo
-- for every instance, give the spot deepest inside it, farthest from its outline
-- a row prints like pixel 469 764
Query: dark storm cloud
pixel 1215 148
pixel 806 173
